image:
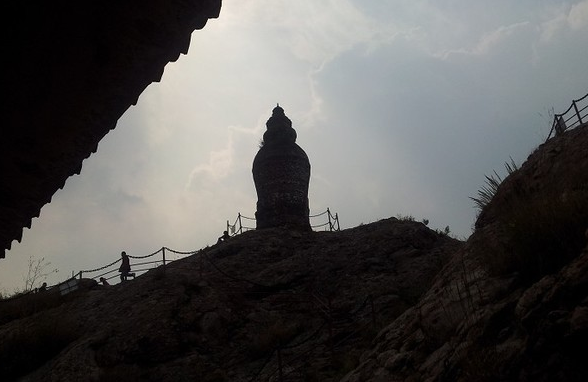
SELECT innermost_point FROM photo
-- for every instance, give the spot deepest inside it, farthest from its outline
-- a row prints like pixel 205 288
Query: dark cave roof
pixel 69 72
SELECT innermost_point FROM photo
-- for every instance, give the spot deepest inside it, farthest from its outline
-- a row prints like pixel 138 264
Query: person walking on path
pixel 125 266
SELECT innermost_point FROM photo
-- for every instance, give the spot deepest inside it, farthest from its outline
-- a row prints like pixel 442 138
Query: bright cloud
pixel 578 16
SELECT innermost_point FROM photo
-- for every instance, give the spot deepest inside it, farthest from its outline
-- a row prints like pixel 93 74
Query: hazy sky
pixel 402 107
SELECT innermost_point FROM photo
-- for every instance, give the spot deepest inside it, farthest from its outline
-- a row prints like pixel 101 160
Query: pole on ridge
pixel 163 251
pixel 577 112
pixel 329 216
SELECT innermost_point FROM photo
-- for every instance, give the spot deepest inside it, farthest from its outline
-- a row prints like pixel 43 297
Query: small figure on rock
pixel 125 267
pixel 103 281
pixel 224 237
pixel 43 287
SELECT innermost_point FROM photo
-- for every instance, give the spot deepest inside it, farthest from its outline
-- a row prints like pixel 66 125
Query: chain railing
pixel 110 271
pixel 576 115
pixel 332 223
pixel 237 227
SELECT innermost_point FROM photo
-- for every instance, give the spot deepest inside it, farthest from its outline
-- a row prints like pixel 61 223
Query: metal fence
pixel 331 223
pixel 145 263
pixel 110 272
pixel 576 115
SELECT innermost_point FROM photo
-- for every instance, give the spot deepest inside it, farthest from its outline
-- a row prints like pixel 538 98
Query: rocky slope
pixel 387 301
pixel 305 305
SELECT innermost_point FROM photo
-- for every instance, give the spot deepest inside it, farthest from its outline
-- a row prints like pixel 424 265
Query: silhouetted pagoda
pixel 281 172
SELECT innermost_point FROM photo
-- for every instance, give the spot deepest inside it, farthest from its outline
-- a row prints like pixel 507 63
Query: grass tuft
pixel 487 192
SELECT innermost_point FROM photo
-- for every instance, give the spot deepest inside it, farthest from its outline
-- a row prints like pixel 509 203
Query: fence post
pixel 163 251
pixel 559 124
pixel 228 226
pixel 81 272
pixel 329 216
pixel 337 220
pixel 240 224
pixel 577 112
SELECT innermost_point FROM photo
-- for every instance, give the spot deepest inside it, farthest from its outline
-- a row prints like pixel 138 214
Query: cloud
pixel 566 18
pixel 314 31
pixel 219 166
pixel 489 42
pixel 578 16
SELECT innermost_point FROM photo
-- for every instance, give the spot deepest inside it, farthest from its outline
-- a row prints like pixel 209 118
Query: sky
pixel 402 107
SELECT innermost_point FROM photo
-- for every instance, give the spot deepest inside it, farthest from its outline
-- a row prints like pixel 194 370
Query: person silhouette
pixel 125 266
pixel 224 237
pixel 104 281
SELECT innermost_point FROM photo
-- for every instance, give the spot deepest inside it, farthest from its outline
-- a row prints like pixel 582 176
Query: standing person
pixel 125 266
pixel 224 237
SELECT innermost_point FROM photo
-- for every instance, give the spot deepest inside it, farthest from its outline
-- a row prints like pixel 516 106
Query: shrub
pixel 405 218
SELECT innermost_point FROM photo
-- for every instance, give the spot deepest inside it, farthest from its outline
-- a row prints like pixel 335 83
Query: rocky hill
pixel 222 314
pixel 386 301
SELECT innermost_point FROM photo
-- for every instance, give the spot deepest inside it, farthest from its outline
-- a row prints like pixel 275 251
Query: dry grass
pixel 486 192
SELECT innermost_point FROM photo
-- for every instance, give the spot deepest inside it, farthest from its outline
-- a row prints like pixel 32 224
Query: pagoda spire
pixel 281 172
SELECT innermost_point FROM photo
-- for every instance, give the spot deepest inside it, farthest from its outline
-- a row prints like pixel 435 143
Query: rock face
pixel 75 67
pixel 281 172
